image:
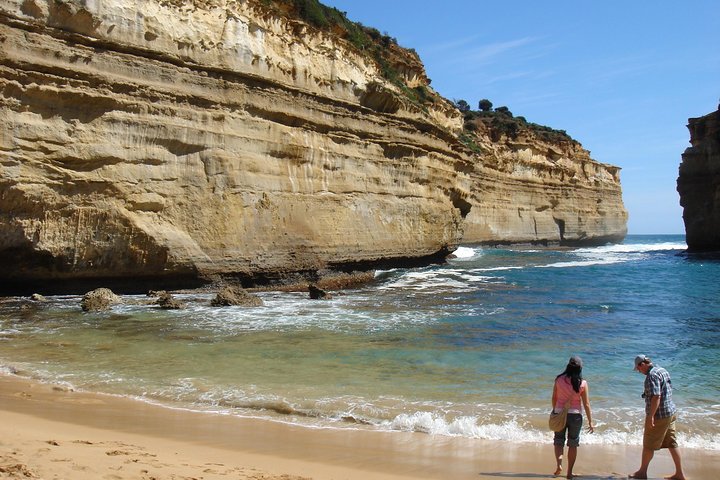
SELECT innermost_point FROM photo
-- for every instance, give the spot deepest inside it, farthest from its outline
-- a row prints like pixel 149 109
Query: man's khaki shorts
pixel 662 435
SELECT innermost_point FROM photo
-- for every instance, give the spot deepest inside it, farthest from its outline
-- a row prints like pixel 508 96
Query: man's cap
pixel 575 360
pixel 640 359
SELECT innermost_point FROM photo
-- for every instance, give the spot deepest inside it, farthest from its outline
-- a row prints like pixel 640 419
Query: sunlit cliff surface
pixel 171 139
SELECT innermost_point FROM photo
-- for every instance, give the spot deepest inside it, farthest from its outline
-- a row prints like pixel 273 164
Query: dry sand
pixel 49 433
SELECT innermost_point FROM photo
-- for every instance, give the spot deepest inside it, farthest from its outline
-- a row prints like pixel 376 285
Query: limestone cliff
pixel 168 139
pixel 699 184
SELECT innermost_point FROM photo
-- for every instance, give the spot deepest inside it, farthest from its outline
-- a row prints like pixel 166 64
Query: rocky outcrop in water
pixel 183 140
pixel 235 296
pixel 167 302
pixel 699 184
pixel 99 299
pixel 318 293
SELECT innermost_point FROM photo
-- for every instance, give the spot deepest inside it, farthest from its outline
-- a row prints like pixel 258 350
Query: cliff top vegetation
pixel 381 47
pixel 386 52
pixel 501 122
pixel 331 19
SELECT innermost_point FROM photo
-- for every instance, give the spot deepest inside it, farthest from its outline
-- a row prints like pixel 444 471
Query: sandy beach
pixel 51 433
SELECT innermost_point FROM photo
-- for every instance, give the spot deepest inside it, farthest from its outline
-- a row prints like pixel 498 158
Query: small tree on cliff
pixel 485 105
pixel 504 111
pixel 462 105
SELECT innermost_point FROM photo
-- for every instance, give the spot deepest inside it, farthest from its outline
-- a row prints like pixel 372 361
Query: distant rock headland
pixel 197 140
pixel 699 184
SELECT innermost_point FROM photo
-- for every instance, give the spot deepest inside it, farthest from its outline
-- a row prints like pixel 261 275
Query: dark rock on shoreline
pixel 318 293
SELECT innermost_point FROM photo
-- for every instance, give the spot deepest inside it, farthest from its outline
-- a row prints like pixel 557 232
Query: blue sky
pixel 622 78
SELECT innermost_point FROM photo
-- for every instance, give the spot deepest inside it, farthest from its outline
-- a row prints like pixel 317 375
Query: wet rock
pixel 234 295
pixel 99 299
pixel 318 293
pixel 62 388
pixel 36 297
pixel 168 302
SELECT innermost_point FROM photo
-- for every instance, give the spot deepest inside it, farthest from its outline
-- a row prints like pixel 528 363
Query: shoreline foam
pixel 50 432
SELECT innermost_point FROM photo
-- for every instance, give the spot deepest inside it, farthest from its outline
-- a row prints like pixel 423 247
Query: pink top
pixel 564 391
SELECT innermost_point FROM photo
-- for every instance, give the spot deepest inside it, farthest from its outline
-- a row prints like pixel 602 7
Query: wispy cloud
pixel 534 99
pixel 486 53
pixel 468 50
pixel 612 69
pixel 450 45
pixel 485 64
pixel 490 78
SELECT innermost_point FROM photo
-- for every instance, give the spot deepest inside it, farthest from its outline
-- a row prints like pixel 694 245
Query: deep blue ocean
pixel 468 348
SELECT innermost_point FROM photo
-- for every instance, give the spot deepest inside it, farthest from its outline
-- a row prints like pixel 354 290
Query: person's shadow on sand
pixel 541 475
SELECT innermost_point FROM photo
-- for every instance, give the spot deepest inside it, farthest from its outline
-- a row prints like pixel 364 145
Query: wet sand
pixel 50 433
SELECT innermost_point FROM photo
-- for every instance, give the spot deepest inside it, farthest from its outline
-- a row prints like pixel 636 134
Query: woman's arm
pixel 588 411
pixel 554 395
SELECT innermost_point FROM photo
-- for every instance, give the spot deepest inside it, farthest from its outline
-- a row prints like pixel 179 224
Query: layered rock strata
pixel 171 139
pixel 699 184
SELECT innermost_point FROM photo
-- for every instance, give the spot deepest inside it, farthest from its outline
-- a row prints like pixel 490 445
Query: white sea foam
pixel 583 263
pixel 636 247
pixel 611 254
pixel 381 274
pixel 297 312
pixel 8 370
pixel 517 430
pixel 620 427
pixel 439 280
pixel 431 280
pixel 499 269
pixel 466 253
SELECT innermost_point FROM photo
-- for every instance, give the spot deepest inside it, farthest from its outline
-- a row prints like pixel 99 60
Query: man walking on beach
pixel 659 417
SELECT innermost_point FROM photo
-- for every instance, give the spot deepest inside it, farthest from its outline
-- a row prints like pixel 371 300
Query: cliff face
pixel 530 189
pixel 699 184
pixel 171 138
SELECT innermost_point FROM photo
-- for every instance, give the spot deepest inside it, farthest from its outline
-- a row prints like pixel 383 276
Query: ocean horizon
pixel 467 348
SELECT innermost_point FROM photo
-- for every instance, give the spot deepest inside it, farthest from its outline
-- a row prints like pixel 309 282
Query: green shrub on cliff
pixel 313 12
pixel 485 105
pixel 462 105
pixel 501 123
pixel 331 19
pixel 379 46
pixel 469 141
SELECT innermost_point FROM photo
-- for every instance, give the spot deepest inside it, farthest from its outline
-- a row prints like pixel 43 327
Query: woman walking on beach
pixel 570 388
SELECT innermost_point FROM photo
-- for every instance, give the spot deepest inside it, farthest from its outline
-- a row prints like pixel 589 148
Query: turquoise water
pixel 467 348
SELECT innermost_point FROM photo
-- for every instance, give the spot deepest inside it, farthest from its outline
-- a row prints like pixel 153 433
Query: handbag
pixel 557 421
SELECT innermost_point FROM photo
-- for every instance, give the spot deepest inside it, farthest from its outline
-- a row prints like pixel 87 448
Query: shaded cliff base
pixel 332 277
pixel 692 256
pixel 578 243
